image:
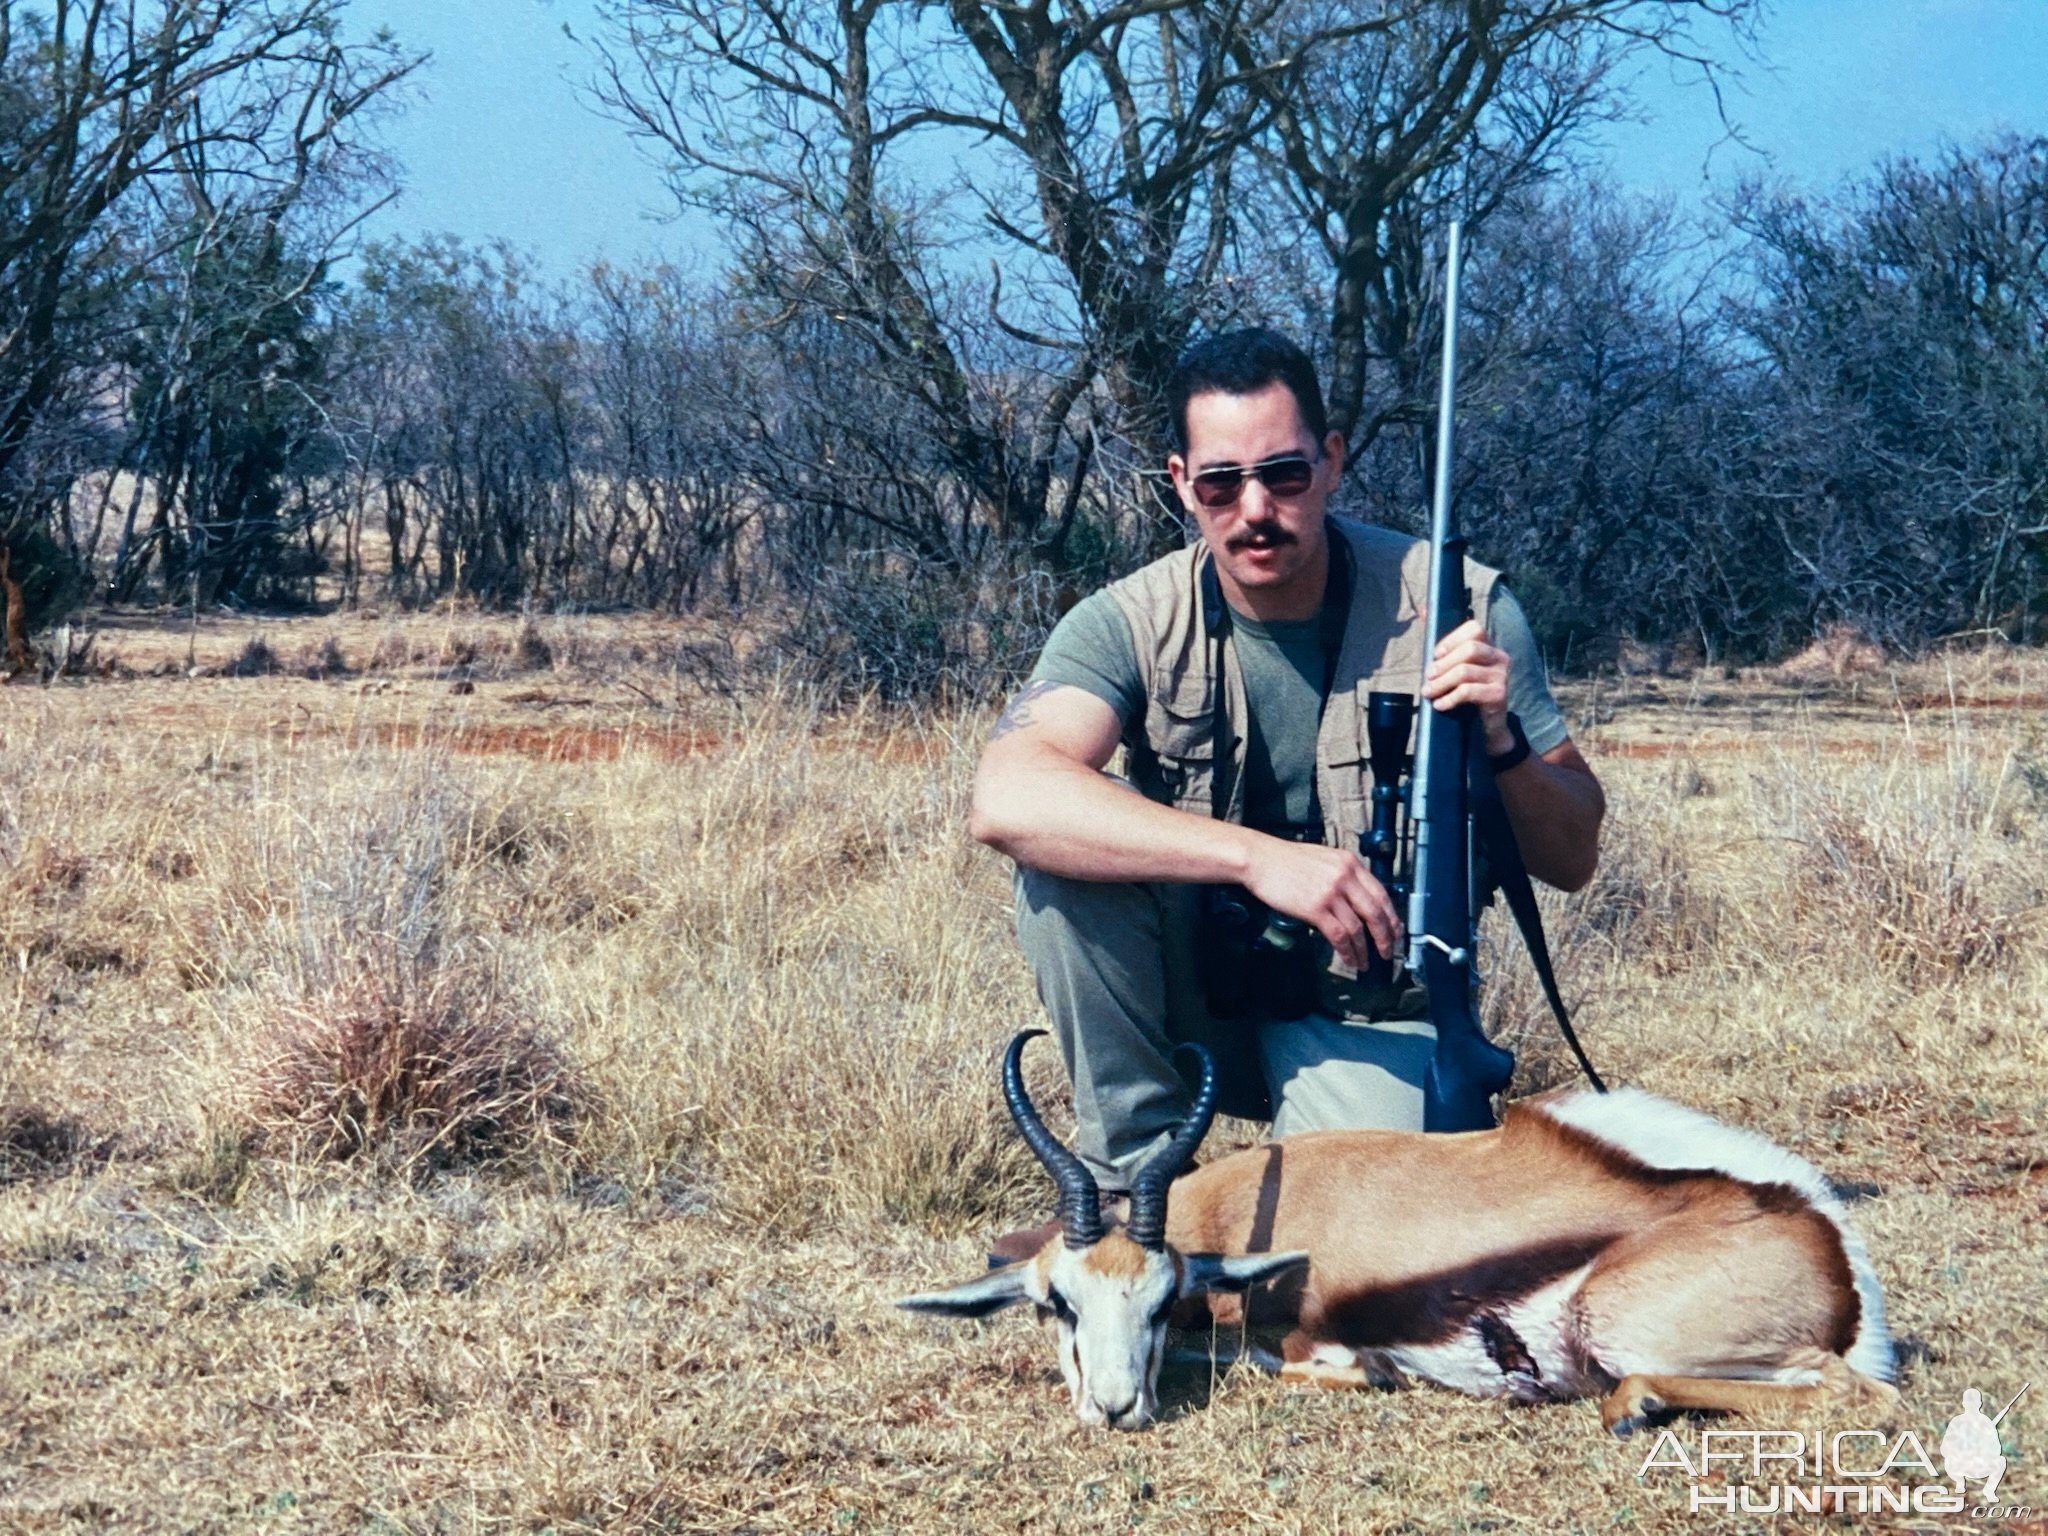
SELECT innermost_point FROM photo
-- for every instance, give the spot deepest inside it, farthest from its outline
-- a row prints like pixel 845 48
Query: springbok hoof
pixel 1624 1412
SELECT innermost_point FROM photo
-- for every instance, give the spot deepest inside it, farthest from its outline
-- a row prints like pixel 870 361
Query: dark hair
pixel 1243 363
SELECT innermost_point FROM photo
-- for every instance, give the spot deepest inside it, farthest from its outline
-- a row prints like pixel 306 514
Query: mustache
pixel 1265 533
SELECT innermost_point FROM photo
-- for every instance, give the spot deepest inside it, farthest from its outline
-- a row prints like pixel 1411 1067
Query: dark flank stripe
pixel 1433 1309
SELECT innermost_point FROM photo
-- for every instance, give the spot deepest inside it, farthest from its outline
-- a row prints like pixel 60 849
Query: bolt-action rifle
pixel 1453 809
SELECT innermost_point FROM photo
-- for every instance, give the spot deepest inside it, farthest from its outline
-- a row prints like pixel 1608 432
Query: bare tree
pixel 1901 429
pixel 1116 149
pixel 1582 468
pixel 120 120
pixel 671 487
pixel 1100 138
pixel 1386 125
pixel 481 424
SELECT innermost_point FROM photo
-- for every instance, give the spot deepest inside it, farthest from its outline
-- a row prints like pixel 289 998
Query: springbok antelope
pixel 1611 1243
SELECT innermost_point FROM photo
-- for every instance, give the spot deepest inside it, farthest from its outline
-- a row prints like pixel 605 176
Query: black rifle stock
pixel 1467 1069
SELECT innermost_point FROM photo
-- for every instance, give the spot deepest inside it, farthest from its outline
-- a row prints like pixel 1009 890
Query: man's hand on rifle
pixel 1469 668
pixel 1553 799
pixel 1332 891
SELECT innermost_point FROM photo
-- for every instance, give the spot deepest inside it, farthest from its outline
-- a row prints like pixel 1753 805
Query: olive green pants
pixel 1115 967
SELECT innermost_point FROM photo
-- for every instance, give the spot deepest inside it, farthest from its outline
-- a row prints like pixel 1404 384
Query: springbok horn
pixel 1147 1226
pixel 1080 1201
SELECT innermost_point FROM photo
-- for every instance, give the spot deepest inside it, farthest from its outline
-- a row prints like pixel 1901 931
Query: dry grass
pixel 422 1065
pixel 661 1031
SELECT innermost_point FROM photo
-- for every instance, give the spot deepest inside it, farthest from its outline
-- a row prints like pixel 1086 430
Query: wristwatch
pixel 1512 758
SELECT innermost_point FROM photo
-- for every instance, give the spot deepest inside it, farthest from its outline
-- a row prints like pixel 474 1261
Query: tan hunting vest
pixel 1172 754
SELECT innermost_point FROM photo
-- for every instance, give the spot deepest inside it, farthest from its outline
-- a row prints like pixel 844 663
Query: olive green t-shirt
pixel 1282 662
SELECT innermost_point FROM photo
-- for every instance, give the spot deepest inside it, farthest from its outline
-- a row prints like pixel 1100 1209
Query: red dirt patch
pixel 600 743
pixel 1659 749
pixel 1972 701
pixel 554 744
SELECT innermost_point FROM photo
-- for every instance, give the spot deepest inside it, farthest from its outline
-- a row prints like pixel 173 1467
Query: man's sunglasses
pixel 1287 475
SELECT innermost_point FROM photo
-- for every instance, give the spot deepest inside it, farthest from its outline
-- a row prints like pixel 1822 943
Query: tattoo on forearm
pixel 1017 714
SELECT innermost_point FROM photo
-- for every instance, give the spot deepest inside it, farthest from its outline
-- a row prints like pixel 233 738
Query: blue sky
pixel 498 143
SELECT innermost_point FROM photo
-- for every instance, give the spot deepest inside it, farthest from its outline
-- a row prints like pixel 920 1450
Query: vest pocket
pixel 1183 744
pixel 1344 781
pixel 1345 790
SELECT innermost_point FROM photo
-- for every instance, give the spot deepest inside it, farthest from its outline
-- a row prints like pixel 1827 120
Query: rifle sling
pixel 1496 835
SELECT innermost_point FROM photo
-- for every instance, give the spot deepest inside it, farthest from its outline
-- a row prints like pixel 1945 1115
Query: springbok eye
pixel 1059 1306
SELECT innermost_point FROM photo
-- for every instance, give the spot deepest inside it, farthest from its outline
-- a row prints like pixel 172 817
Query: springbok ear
pixel 1237 1272
pixel 992 1292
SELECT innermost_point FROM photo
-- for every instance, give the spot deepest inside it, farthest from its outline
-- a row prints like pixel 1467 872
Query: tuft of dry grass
pixel 530 650
pixel 256 659
pixel 327 660
pixel 429 1068
pixel 1648 905
pixel 1840 653
pixel 1921 894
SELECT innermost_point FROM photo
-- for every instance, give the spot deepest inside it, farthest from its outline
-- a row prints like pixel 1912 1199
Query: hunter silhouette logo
pixel 1969 1446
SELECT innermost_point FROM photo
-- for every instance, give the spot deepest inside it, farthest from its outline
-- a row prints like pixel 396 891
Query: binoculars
pixel 1253 961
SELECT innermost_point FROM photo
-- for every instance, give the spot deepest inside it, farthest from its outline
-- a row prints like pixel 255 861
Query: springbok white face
pixel 1109 1290
pixel 1110 1303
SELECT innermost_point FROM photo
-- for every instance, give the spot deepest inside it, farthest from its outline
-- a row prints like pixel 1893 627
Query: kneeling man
pixel 1235 674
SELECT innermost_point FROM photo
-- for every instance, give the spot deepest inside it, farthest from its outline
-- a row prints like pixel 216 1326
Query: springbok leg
pixel 1739 1305
pixel 1336 1367
pixel 1638 1399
